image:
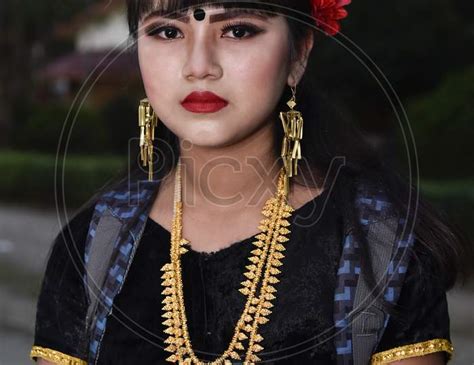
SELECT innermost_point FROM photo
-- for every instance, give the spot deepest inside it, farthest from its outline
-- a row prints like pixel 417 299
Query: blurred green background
pixel 64 77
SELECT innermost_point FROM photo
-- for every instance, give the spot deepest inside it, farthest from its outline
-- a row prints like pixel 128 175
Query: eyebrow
pixel 235 13
pixel 226 15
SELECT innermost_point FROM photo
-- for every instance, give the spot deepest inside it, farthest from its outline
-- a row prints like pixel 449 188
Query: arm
pixel 62 304
pixel 44 362
pixel 420 332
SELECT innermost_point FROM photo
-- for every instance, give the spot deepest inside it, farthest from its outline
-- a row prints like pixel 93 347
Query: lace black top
pixel 301 323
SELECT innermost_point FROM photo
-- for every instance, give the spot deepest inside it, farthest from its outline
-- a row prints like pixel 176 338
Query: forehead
pixel 214 15
pixel 179 10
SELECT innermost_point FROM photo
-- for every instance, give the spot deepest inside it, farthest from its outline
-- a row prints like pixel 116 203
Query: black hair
pixel 331 135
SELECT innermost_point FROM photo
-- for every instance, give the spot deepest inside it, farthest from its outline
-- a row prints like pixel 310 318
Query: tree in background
pixel 442 123
pixel 25 42
pixel 415 43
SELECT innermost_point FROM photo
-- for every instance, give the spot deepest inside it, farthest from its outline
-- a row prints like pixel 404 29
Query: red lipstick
pixel 203 102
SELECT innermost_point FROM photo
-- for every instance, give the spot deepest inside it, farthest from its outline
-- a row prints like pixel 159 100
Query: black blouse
pixel 301 324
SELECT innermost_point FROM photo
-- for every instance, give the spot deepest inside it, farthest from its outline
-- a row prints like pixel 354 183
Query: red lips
pixel 203 102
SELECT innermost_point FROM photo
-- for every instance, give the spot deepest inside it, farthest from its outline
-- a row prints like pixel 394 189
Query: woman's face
pixel 243 60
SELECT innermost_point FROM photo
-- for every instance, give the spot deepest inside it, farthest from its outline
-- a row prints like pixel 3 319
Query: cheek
pixel 157 73
pixel 261 75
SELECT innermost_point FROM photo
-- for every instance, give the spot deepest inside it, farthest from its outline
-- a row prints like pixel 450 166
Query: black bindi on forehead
pixel 199 14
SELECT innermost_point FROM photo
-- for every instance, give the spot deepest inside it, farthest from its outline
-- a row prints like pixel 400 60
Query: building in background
pixel 102 61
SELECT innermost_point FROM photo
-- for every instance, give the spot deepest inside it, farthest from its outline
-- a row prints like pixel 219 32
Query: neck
pixel 220 179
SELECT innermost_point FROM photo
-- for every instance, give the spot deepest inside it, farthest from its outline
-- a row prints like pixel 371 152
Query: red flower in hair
pixel 328 13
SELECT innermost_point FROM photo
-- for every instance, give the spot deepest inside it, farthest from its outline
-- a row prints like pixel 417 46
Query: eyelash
pixel 251 29
pixel 248 27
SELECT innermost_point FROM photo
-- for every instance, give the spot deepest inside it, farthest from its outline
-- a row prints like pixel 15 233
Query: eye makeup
pixel 250 29
pixel 153 30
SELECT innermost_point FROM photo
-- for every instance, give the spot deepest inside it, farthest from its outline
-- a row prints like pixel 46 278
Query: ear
pixel 298 66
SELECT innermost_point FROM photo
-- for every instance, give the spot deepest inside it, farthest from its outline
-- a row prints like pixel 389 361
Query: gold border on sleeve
pixel 55 356
pixel 412 350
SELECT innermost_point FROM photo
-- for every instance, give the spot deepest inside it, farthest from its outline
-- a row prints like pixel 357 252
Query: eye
pixel 169 32
pixel 239 29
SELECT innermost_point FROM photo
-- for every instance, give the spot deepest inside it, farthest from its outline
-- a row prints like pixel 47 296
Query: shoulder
pixel 421 324
pixel 420 321
pixel 68 246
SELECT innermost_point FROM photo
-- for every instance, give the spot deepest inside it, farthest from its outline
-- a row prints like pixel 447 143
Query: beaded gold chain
pixel 265 260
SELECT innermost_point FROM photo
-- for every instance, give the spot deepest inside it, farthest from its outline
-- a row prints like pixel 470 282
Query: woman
pixel 245 242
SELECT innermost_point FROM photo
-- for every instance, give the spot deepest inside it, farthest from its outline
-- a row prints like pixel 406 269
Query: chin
pixel 205 139
pixel 209 141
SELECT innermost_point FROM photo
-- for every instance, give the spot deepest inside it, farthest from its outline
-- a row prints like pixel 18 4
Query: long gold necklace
pixel 261 274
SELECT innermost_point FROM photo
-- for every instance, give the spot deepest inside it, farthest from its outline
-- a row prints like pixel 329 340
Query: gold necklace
pixel 265 260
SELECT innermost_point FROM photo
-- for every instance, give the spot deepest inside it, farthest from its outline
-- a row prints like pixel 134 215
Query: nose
pixel 202 59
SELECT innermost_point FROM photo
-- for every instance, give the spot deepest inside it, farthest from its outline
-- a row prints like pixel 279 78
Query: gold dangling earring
pixel 292 121
pixel 147 121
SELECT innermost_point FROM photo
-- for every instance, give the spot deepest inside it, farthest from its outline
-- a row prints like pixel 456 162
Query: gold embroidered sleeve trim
pixel 412 350
pixel 54 356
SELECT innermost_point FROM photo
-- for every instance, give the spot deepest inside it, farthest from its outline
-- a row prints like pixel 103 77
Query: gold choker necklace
pixel 264 263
